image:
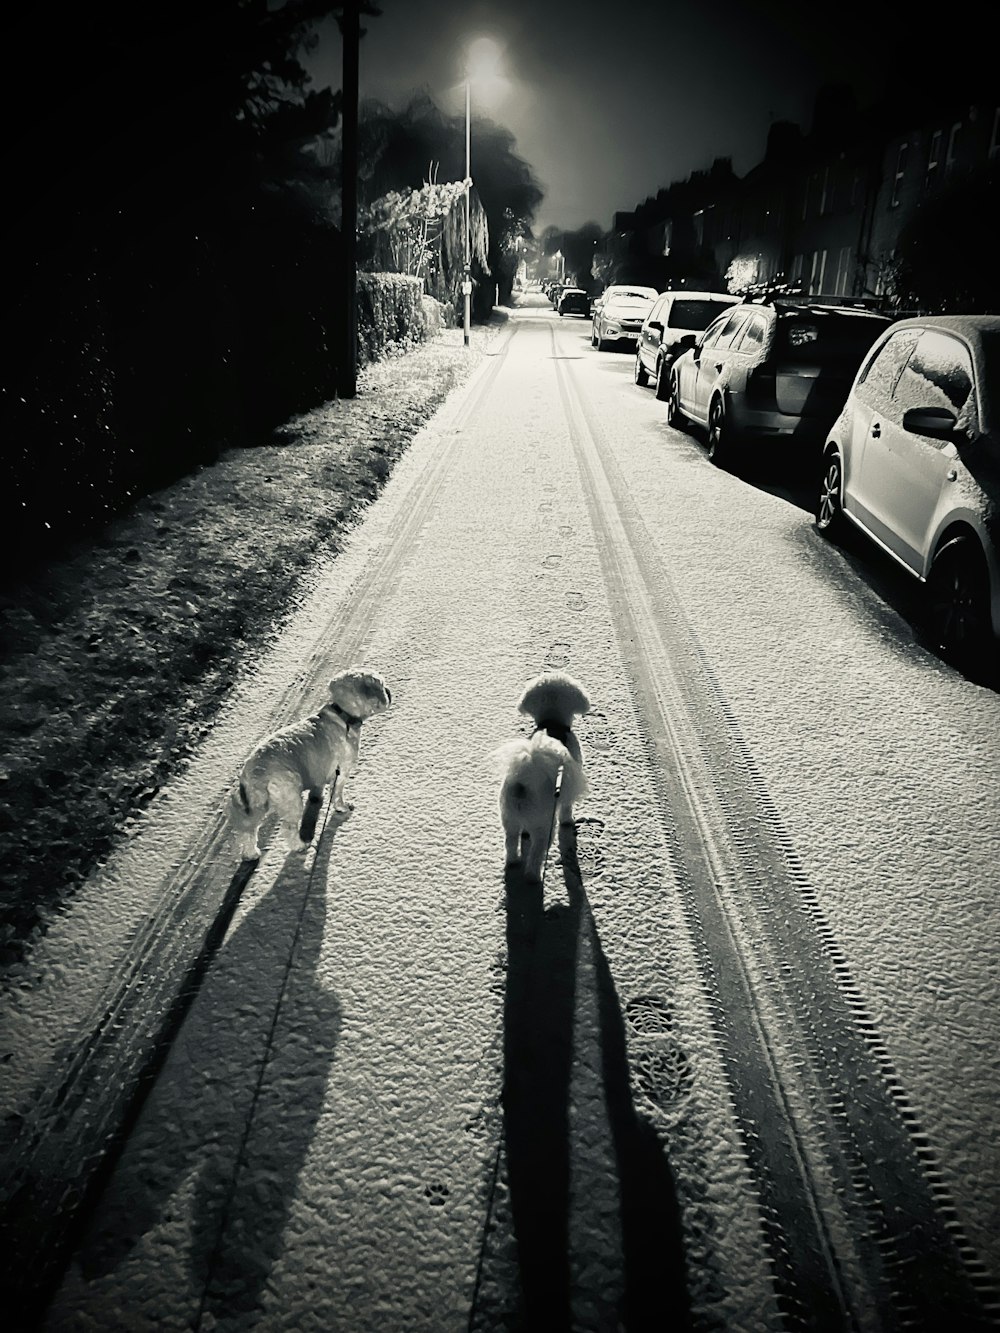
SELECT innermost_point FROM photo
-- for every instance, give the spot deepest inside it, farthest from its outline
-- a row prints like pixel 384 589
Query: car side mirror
pixel 655 324
pixel 937 422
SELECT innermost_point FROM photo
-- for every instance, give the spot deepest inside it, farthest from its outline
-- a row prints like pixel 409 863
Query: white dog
pixel 304 758
pixel 531 767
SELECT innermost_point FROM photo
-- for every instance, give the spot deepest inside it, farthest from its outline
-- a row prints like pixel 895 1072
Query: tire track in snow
pixel 860 1231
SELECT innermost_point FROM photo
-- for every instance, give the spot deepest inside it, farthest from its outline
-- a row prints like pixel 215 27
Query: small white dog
pixel 529 806
pixel 304 758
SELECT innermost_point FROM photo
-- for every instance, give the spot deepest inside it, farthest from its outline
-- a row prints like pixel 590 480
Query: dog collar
pixel 556 730
pixel 348 719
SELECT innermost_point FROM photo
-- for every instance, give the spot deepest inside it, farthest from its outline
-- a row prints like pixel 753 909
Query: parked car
pixel 913 461
pixel 674 315
pixel 622 289
pixel 574 301
pixel 770 370
pixel 620 318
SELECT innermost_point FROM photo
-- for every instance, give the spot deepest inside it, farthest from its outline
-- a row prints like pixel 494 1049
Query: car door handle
pixel 718 367
pixel 876 431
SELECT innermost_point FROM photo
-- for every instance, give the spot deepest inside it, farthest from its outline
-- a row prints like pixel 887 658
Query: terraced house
pixel 828 212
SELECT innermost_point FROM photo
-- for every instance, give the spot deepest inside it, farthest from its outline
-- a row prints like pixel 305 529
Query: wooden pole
pixel 350 26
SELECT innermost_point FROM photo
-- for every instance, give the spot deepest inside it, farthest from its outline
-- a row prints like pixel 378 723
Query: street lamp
pixel 481 62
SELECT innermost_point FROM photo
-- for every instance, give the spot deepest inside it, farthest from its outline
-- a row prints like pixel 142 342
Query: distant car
pixel 673 316
pixel 554 292
pixel 620 318
pixel 574 301
pixel 913 460
pixel 770 370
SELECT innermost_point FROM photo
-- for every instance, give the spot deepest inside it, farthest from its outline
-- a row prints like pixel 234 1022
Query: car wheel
pixel 593 337
pixel 957 615
pixel 640 374
pixel 829 506
pixel 602 345
pixel 560 314
pixel 675 417
pixel 663 381
pixel 720 435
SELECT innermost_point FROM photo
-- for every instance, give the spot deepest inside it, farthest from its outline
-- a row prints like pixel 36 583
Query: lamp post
pixel 480 63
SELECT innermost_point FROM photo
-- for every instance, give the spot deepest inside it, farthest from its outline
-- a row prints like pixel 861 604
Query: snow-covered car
pixel 770 370
pixel 621 289
pixel 913 460
pixel 620 319
pixel 674 316
pixel 574 301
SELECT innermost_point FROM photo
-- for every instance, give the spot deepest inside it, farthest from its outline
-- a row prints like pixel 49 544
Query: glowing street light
pixel 482 58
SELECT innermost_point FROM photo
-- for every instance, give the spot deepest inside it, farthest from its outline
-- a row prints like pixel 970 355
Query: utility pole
pixel 467 278
pixel 350 27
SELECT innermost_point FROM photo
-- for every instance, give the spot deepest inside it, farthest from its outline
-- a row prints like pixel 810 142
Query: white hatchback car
pixel 913 460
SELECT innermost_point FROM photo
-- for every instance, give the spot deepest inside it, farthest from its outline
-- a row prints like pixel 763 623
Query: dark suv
pixel 770 369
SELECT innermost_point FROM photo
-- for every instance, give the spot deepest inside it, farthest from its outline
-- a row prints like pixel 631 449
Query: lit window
pixel 818 272
pixel 843 272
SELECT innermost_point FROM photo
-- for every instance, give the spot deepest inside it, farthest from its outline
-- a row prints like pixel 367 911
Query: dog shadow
pixel 554 957
pixel 230 1121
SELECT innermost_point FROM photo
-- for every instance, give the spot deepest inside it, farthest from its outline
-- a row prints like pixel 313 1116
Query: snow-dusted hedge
pixel 393 314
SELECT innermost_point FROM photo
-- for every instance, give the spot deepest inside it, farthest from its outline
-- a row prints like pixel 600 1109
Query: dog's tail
pixel 530 768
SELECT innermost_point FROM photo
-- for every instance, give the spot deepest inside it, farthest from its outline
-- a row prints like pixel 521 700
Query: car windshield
pixel 626 302
pixel 818 336
pixel 695 315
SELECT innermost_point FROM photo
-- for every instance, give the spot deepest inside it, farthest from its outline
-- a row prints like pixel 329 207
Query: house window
pixel 818 272
pixel 824 191
pixel 798 264
pixel 897 183
pixel 934 158
pixel 843 272
pixel 952 153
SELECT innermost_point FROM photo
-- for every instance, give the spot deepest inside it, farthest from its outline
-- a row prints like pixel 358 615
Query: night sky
pixel 605 110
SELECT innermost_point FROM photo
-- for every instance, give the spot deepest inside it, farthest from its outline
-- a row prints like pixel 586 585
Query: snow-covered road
pixel 761 989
